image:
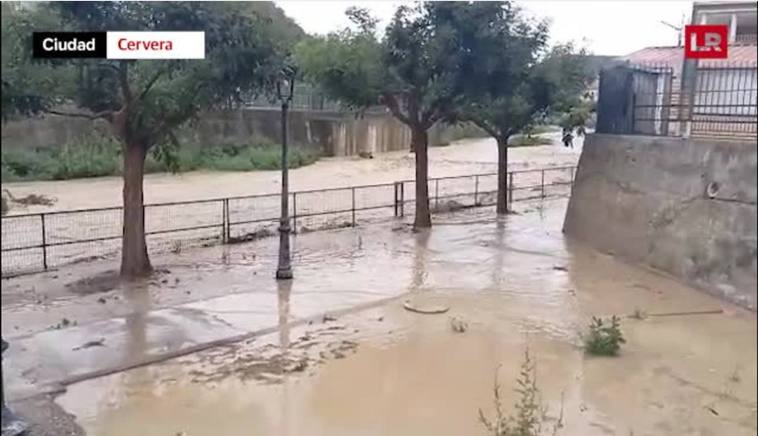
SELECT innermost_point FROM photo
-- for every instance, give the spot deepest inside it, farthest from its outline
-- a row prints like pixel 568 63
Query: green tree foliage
pixel 143 101
pixel 28 88
pixel 516 80
pixel 416 70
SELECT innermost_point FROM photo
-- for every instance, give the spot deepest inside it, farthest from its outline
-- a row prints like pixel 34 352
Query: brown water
pixel 462 158
pixel 388 371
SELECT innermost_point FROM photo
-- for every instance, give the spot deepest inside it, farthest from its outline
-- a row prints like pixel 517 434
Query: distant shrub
pixel 101 156
pixel 528 141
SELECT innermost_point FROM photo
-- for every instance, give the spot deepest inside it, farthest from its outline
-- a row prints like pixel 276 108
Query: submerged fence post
pixel 402 198
pixel 294 212
pixel 476 190
pixel 225 220
pixel 44 241
pixel 542 184
pixel 394 202
pixel 510 191
pixel 352 208
pixel 436 193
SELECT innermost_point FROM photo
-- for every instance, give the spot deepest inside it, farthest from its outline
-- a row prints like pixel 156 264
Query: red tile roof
pixel 674 56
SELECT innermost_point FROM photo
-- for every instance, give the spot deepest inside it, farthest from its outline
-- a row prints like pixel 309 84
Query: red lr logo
pixel 708 41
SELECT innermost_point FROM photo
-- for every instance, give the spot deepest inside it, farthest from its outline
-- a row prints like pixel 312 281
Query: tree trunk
pixel 134 258
pixel 502 175
pixel 419 141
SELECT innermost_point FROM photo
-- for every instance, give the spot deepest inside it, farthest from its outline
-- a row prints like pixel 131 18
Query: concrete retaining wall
pixel 647 199
pixel 332 133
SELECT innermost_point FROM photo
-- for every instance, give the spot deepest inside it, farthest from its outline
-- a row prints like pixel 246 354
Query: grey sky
pixel 608 27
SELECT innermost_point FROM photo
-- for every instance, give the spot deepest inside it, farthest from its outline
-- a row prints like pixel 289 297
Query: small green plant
pixel 530 415
pixel 605 337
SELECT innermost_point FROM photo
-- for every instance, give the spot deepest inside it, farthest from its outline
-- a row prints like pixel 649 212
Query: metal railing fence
pixel 41 241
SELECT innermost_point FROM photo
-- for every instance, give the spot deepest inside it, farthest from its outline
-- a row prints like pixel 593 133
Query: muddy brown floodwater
pixel 383 370
pixel 461 158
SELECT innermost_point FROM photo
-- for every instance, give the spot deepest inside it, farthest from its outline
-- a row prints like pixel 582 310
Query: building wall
pixel 332 133
pixel 647 199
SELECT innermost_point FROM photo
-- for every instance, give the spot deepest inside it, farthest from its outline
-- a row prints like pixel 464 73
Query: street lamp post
pixel 284 90
pixel 11 424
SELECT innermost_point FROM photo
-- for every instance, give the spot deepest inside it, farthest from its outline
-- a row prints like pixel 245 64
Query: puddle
pixel 410 374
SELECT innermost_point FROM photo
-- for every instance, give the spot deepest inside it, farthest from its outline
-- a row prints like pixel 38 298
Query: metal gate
pixel 634 99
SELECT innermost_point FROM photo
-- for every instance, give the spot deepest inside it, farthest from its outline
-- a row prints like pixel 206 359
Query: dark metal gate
pixel 634 99
pixel 614 106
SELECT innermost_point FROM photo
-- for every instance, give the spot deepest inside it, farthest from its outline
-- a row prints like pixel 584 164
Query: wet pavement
pixel 370 367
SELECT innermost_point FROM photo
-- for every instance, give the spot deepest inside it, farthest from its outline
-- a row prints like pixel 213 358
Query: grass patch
pixel 96 157
pixel 605 337
pixel 528 141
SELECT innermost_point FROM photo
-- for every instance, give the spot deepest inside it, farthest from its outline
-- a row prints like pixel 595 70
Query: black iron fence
pixel 722 100
pixel 42 241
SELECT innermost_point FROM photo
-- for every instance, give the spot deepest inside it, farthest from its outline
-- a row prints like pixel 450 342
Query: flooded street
pixel 336 353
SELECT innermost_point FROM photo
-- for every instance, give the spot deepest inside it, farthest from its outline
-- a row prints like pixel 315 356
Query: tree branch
pixel 106 115
pixel 390 101
pixel 481 123
pixel 150 85
pixel 123 79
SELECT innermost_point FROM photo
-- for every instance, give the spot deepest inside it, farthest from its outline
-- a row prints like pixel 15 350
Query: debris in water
pixel 458 325
pixel 560 268
pixel 638 314
pixel 101 300
pixel 96 343
pixel 430 310
pixel 693 312
pixel 328 318
pixel 712 410
pixel 299 366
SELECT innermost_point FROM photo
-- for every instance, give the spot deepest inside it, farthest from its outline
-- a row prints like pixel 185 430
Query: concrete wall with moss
pixel 683 206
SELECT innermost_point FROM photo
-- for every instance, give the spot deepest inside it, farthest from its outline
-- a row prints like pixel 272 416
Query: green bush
pixel 88 158
pixel 528 141
pixel 93 157
pixel 456 132
pixel 604 338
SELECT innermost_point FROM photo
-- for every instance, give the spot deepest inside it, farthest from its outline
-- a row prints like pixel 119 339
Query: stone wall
pixel 684 206
pixel 332 133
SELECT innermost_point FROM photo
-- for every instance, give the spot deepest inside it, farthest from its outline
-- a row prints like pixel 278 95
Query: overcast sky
pixel 608 27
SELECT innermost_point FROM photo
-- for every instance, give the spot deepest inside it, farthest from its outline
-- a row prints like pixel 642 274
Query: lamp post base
pixel 12 425
pixel 284 274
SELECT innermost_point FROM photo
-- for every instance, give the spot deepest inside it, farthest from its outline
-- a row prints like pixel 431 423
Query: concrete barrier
pixel 683 206
pixel 330 133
